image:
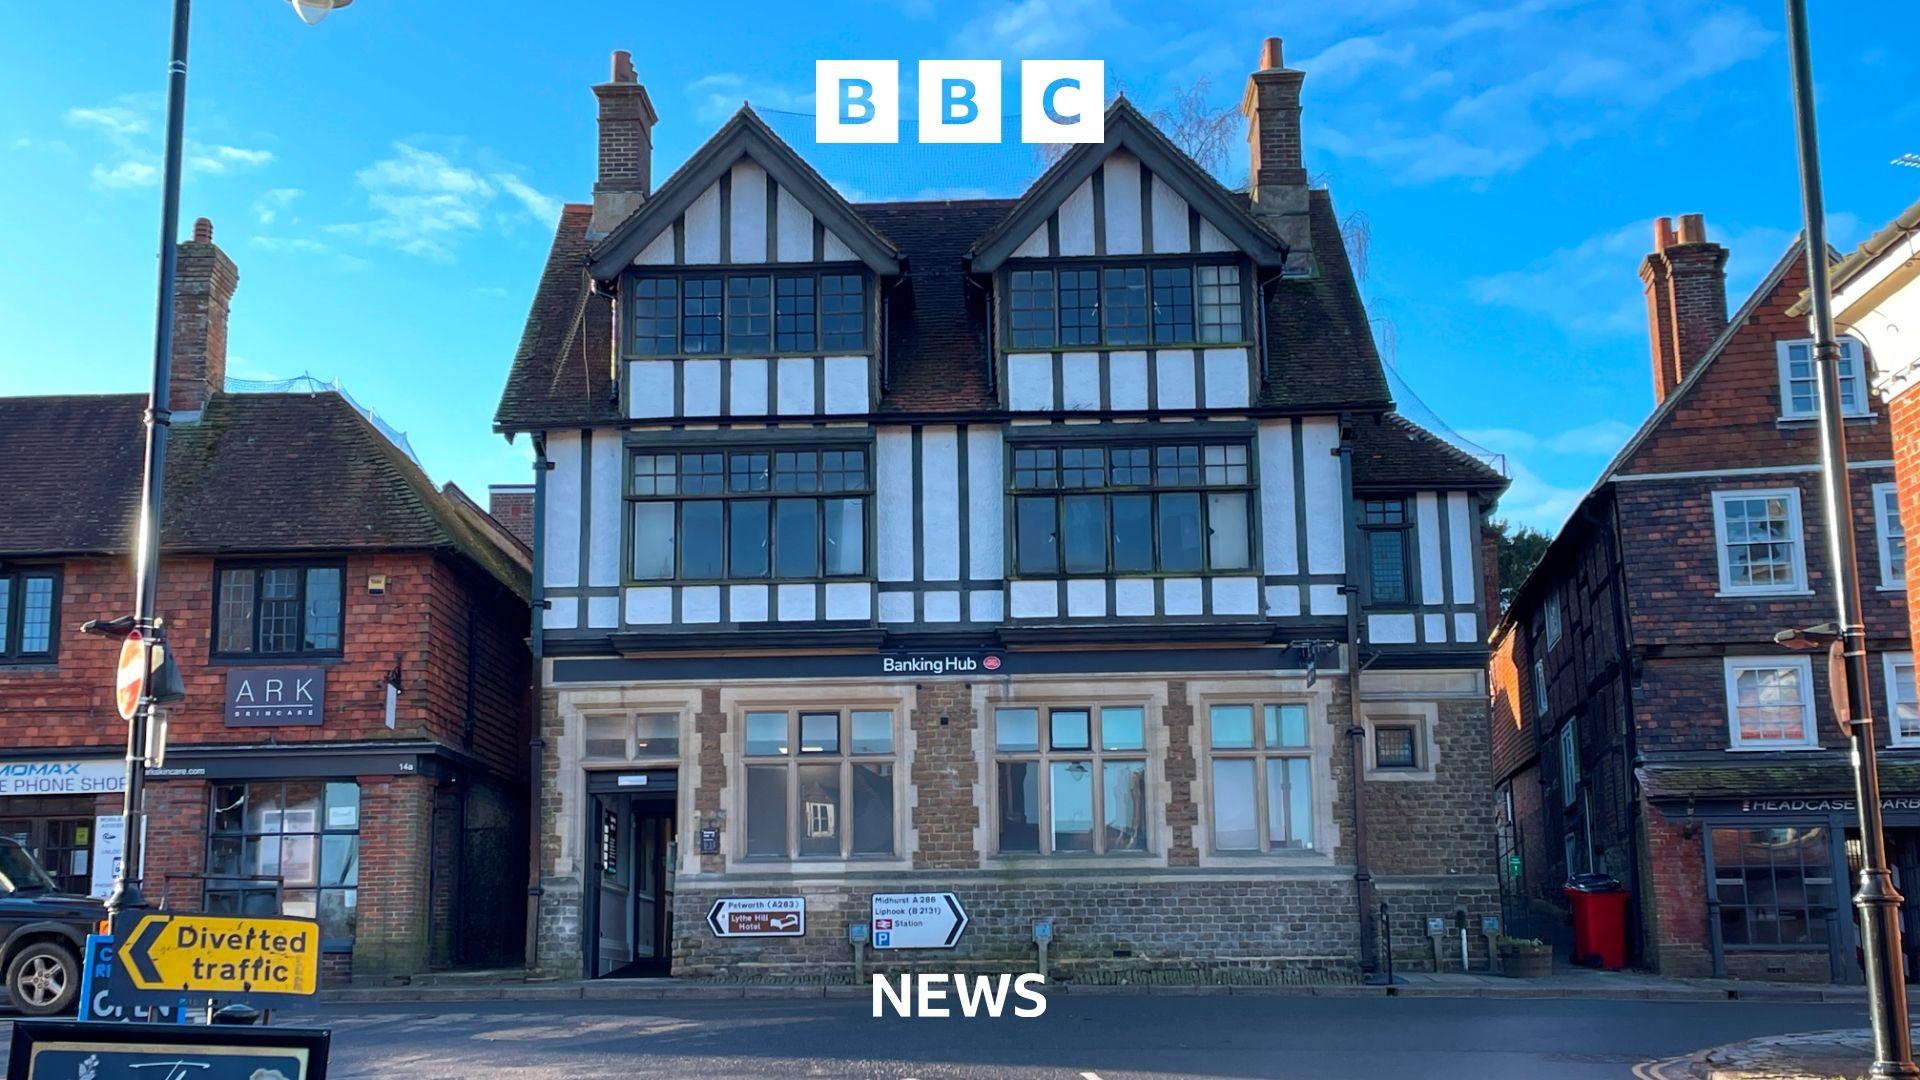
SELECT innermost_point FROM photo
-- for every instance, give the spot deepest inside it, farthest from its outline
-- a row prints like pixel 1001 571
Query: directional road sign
pixel 917 920
pixel 224 954
pixel 758 916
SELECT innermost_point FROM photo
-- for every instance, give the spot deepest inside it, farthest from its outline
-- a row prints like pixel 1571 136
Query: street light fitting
pixel 312 11
pixel 1809 638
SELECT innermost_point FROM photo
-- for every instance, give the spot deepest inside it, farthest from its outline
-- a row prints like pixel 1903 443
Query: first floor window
pixel 296 842
pixel 1903 708
pixel 1540 700
pixel 1799 383
pixel 1030 309
pixel 1891 536
pixel 1070 779
pixel 748 514
pixel 1172 303
pixel 1384 531
pixel 1262 777
pixel 1775 886
pixel 1220 304
pixel 1770 703
pixel 1570 762
pixel 1759 541
pixel 819 783
pixel 1125 305
pixel 26 614
pixel 1098 509
pixel 267 610
pixel 843 319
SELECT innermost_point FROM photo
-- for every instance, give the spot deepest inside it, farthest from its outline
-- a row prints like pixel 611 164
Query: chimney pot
pixel 626 148
pixel 623 67
pixel 1693 229
pixel 1662 233
pixel 1270 55
pixel 202 231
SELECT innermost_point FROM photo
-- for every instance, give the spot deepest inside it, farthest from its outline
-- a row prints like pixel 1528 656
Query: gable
pixel 744 197
pixel 1134 194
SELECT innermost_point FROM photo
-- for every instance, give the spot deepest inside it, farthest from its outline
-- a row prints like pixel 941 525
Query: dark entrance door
pixel 629 907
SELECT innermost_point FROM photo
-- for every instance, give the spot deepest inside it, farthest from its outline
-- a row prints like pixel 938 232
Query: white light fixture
pixel 312 11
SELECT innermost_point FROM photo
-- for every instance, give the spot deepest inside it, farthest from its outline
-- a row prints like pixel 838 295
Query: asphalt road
pixel 1083 1038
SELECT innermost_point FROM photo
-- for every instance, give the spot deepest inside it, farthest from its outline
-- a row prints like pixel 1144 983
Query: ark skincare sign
pixel 62 777
pixel 276 696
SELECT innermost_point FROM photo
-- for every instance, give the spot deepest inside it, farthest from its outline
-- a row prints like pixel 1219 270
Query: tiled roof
pixel 1790 775
pixel 936 341
pixel 1320 350
pixel 256 473
pixel 1393 451
pixel 562 373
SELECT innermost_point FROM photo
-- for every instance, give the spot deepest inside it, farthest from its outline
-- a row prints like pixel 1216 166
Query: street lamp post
pixel 126 895
pixel 1877 900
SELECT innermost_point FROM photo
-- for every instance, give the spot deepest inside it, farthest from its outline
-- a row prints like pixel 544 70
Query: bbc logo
pixel 1061 101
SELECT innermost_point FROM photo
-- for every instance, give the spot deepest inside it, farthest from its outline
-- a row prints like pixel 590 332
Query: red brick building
pixel 352 642
pixel 1645 724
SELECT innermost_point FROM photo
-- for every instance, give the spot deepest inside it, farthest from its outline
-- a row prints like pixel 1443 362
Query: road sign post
pixel 255 959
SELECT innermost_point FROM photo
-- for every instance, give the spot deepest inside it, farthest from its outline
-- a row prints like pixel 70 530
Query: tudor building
pixel 1016 548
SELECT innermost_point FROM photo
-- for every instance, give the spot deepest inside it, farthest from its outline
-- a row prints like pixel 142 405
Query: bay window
pixel 819 783
pixel 1070 780
pixel 748 515
pixel 1261 776
pixel 1129 304
pixel 1131 509
pixel 746 314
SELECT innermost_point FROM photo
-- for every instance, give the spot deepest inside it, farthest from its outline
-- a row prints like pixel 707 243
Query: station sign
pixel 758 916
pixel 252 957
pixel 917 920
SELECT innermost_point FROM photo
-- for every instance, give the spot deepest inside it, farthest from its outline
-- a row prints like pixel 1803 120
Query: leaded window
pixel 1386 535
pixel 746 314
pixel 27 602
pixel 1123 305
pixel 1172 304
pixel 843 320
pixel 278 610
pixel 700 321
pixel 749 314
pixel 1220 304
pixel 1030 310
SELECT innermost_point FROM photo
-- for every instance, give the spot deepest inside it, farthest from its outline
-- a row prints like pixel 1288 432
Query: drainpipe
pixel 535 641
pixel 1356 731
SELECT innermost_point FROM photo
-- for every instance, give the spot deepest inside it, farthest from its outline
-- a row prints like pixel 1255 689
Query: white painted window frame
pixel 1893 571
pixel 1850 351
pixel 1809 724
pixel 1799 530
pixel 1555 614
pixel 1888 663
pixel 1539 687
pixel 1569 763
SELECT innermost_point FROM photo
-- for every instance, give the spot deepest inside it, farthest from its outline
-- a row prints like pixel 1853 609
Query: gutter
pixel 536 622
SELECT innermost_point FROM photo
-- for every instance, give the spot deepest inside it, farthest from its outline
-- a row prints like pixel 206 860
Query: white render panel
pixel 1173 375
pixel 1325 600
pixel 1460 537
pixel 700 604
pixel 747 603
pixel 1080 381
pixel 563 613
pixel 893 503
pixel 1087 598
pixel 986 558
pixel 603 522
pixel 1122 181
pixel 1226 378
pixel 649 606
pixel 846 390
pixel 1127 380
pixel 1034 246
pixel 793 232
pixel 747 389
pixel 833 249
pixel 561 552
pixel 940 503
pixel 1076 221
pixel 659 250
pixel 795 375
pixel 1236 596
pixel 1133 596
pixel 701 393
pixel 1427 526
pixel 1466 628
pixel 1279 536
pixel 1181 596
pixel 796 603
pixel 1326 532
pixel 850 600
pixel 1212 239
pixel 703 227
pixel 1034 600
pixel 987 605
pixel 1390 629
pixel 940 605
pixel 1436 627
pixel 1283 600
pixel 603 612
pixel 896 607
pixel 748 218
pixel 650 388
pixel 1169 220
pixel 1029 381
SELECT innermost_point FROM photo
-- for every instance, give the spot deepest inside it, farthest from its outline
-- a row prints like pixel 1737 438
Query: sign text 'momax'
pixel 858 101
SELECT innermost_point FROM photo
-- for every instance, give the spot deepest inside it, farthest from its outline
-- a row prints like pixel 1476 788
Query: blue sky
pixel 388 181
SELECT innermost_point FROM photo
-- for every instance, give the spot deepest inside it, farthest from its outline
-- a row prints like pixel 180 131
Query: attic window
pixel 1124 305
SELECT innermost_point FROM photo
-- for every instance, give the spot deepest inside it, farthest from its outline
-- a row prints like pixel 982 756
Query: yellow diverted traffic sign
pixel 224 954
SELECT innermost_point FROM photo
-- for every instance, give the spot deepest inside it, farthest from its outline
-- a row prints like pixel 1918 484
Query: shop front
pixel 65 811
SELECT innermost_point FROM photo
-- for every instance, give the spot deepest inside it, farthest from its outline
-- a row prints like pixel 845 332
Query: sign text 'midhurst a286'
pixel 917 920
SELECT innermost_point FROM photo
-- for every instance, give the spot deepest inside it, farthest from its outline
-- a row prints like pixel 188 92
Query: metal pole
pixel 146 554
pixel 1878 900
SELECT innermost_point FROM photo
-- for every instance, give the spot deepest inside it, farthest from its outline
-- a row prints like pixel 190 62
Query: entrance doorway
pixel 629 905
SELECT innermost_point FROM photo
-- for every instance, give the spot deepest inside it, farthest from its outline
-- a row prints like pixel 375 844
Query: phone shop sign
pixel 62 777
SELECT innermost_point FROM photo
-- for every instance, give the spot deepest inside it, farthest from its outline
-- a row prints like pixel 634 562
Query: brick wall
pixel 396 868
pixel 1675 923
pixel 1904 415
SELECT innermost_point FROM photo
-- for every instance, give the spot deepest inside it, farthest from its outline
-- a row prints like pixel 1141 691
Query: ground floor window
pixel 299 839
pixel 819 783
pixel 1262 777
pixel 1076 783
pixel 63 846
pixel 1775 886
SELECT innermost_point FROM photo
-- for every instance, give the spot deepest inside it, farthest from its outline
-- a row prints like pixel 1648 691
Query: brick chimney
pixel 626 147
pixel 204 281
pixel 1279 177
pixel 1685 278
pixel 512 506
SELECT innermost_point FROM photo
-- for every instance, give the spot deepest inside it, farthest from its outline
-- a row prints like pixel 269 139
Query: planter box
pixel 1526 965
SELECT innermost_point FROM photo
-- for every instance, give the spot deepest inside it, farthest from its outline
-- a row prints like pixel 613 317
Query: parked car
pixel 43 934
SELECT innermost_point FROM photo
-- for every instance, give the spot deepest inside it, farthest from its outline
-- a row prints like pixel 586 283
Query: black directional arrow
pixel 959 920
pixel 713 918
pixel 137 951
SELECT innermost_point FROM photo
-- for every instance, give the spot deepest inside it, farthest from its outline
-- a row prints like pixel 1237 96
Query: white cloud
pixel 118 121
pixel 267 207
pixel 1346 60
pixel 125 174
pixel 220 159
pixel 130 160
pixel 1039 29
pixel 717 97
pixel 428 203
pixel 310 248
pixel 544 208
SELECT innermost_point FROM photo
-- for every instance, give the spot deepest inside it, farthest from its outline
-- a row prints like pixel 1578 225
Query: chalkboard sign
pixel 61 1050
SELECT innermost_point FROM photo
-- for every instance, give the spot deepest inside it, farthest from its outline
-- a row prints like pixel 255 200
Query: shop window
pixel 1261 777
pixel 1092 509
pixel 28 603
pixel 1775 886
pixel 1770 703
pixel 297 843
pixel 1903 708
pixel 819 783
pixel 63 846
pixel 277 610
pixel 1070 780
pixel 748 515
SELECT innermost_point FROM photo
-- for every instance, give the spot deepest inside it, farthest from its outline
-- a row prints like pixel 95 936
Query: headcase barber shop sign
pixel 275 697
